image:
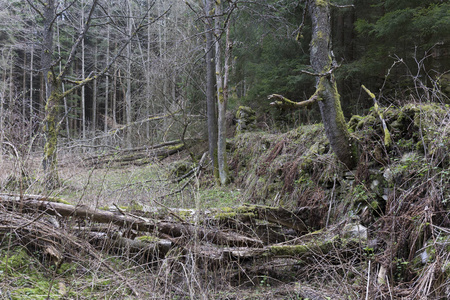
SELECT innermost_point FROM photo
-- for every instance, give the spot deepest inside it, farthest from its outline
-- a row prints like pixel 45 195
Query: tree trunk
pixel 83 76
pixel 222 102
pixel 108 29
pixel 24 88
pixel 147 81
pixel 128 79
pixel 95 91
pixel 66 107
pixel 2 112
pixel 49 161
pixel 31 88
pixel 329 104
pixel 211 106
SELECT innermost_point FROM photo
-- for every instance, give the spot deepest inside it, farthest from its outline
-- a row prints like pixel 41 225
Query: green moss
pixel 135 206
pixel 11 262
pixel 367 121
pixel 232 215
pixel 25 277
pixel 147 238
pixel 387 137
pixel 354 121
pixel 322 3
pixel 289 250
pixel 374 204
pixel 67 269
pixel 58 200
pixel 175 147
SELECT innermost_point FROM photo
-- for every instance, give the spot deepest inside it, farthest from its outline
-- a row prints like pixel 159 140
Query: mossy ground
pixel 26 275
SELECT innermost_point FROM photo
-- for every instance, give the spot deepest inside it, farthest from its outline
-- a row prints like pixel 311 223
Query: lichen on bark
pixel 330 107
pixel 49 162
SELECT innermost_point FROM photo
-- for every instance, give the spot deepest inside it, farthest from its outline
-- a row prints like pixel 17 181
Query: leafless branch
pixel 342 6
pixel 86 26
pixel 327 73
pixel 285 102
pixel 298 31
pixel 35 8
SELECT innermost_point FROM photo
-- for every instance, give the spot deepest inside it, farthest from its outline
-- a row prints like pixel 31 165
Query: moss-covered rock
pixel 245 119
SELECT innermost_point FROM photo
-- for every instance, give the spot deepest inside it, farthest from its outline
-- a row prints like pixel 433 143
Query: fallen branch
pixel 138 156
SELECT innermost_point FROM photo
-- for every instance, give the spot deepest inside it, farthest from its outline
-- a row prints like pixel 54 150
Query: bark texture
pixel 211 105
pixel 49 161
pixel 222 95
pixel 329 104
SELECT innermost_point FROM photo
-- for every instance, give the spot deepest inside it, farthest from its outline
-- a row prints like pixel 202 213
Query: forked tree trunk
pixel 330 106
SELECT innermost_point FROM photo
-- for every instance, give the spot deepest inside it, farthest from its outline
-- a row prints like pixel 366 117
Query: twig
pixel 342 6
pixel 387 134
pixel 368 282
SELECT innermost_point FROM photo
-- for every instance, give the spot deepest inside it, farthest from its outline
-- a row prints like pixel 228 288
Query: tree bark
pixel 211 106
pixel 31 89
pixel 222 99
pixel 49 161
pixel 108 33
pixel 128 74
pixel 330 106
pixel 83 77
pixel 95 91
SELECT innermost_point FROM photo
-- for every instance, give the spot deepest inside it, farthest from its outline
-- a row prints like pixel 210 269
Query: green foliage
pixel 268 60
pixel 400 28
pixel 276 69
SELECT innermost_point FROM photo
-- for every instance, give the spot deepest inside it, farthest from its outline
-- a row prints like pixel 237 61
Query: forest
pixel 239 149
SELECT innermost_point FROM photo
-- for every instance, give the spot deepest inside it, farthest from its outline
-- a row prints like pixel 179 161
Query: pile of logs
pixel 216 236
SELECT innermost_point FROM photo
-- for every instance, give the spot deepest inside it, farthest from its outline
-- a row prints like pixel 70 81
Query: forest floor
pixel 399 196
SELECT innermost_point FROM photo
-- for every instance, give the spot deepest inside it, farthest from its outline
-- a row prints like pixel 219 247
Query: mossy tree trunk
pixel 222 94
pixel 53 86
pixel 49 162
pixel 329 100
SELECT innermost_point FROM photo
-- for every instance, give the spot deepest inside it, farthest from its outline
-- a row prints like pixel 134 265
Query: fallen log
pixel 145 249
pixel 217 244
pixel 278 215
pixel 138 156
pixel 170 228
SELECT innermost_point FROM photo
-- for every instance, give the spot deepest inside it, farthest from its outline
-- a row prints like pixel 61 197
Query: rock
pixel 245 119
pixel 355 231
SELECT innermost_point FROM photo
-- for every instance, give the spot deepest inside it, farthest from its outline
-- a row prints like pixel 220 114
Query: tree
pixel 53 83
pixel 211 105
pixel 53 80
pixel 326 88
pixel 222 87
pixel 326 93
